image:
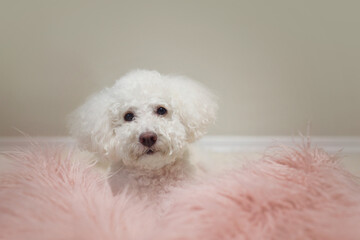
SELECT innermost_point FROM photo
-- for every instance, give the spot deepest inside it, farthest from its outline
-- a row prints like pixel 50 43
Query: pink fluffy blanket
pixel 291 193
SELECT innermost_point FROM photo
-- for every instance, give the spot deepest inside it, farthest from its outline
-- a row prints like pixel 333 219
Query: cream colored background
pixel 274 64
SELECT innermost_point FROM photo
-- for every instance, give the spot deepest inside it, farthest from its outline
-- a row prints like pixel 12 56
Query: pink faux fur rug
pixel 291 193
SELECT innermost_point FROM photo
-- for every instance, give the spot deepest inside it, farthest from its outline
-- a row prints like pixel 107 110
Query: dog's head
pixel 145 120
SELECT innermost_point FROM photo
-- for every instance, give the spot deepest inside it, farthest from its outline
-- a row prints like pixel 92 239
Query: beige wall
pixel 274 65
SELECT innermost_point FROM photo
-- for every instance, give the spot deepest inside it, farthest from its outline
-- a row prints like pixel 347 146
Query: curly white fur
pixel 99 127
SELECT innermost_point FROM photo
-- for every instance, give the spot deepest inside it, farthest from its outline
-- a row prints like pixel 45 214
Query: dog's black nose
pixel 148 139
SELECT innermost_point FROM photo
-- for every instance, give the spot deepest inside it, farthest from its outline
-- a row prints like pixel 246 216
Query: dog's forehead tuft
pixel 139 79
pixel 143 86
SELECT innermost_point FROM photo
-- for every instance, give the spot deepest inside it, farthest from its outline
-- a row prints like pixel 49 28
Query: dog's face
pixel 147 132
pixel 145 120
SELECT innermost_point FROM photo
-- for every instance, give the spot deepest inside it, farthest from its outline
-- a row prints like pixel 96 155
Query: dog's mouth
pixel 149 152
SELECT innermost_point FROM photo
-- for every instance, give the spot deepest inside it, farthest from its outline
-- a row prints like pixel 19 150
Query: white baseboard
pixel 260 143
pixel 348 145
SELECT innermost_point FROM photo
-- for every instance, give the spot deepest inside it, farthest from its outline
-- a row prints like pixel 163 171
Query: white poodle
pixel 143 125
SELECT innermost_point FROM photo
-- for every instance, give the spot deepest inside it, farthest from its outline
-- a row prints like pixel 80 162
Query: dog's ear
pixel 90 124
pixel 196 106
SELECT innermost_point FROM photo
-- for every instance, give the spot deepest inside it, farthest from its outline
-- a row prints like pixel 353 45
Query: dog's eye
pixel 129 117
pixel 161 111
